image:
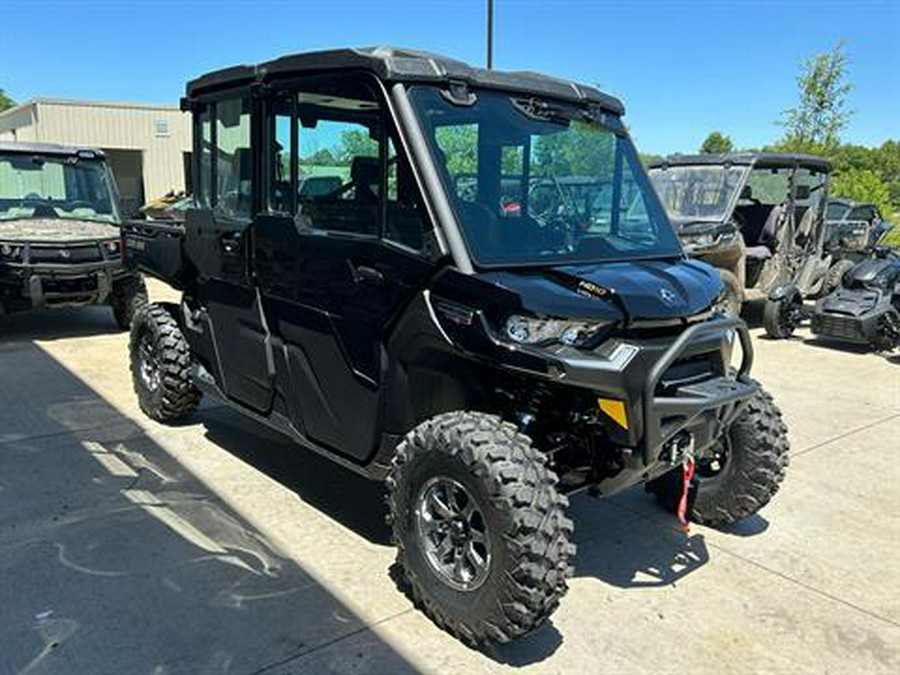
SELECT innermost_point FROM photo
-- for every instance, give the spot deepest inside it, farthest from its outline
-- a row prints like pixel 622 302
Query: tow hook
pixel 680 450
pixel 687 475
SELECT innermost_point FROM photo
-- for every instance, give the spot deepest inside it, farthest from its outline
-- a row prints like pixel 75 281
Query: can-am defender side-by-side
pixel 757 217
pixel 60 243
pixel 341 285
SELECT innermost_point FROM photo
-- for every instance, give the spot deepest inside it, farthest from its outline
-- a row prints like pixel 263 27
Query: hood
pixel 650 289
pixel 55 230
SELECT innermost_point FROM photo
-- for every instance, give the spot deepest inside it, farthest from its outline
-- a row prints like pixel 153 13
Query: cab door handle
pixel 231 242
pixel 365 274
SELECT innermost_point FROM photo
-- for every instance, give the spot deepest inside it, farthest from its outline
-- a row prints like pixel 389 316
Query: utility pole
pixel 490 34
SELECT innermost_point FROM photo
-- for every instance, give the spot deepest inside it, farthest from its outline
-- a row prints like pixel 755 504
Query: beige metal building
pixel 148 146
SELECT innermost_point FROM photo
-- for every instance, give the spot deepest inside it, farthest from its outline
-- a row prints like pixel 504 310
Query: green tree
pixel 717 143
pixel 821 114
pixel 863 185
pixel 5 101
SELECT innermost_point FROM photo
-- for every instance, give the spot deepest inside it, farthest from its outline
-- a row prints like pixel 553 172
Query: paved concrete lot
pixel 217 547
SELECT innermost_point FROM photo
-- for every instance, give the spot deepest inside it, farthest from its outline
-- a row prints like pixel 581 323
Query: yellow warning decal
pixel 615 409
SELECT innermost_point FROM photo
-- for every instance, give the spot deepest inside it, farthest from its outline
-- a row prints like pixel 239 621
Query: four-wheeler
pixel 60 243
pixel 852 231
pixel 483 361
pixel 758 217
pixel 864 308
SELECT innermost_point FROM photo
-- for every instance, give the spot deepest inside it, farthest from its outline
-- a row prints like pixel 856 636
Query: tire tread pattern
pixel 176 395
pixel 518 482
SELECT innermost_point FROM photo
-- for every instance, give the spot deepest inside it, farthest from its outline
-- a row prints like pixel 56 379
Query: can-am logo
pixel 668 296
pixel 64 254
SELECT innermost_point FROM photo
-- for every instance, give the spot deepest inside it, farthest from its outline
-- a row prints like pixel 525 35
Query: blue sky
pixel 682 68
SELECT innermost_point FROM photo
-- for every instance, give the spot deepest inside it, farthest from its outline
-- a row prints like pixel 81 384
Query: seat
pixel 365 172
pixel 763 249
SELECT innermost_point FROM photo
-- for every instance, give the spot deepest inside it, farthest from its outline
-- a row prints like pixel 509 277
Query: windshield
pixel 46 186
pixel 702 193
pixel 535 183
pixel 836 210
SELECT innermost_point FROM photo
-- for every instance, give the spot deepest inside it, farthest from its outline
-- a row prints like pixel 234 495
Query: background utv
pixel 374 267
pixel 60 243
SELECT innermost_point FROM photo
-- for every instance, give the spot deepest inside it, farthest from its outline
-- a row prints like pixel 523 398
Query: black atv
pixel 866 307
pixel 341 285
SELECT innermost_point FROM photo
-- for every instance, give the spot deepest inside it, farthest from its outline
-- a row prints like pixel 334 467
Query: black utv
pixel 341 285
pixel 60 243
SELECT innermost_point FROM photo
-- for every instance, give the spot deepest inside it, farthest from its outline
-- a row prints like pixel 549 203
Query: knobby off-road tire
pixel 522 514
pixel 127 296
pixel 161 365
pixel 755 460
pixel 780 316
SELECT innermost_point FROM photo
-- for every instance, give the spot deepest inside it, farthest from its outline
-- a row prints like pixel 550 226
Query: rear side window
pixel 226 158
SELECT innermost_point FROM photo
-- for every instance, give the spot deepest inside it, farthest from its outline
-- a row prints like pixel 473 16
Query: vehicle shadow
pixel 56 324
pixel 126 561
pixel 647 553
pixel 356 502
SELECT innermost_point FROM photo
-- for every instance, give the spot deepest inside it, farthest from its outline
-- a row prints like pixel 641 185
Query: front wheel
pixel 782 315
pixel 480 529
pixel 740 473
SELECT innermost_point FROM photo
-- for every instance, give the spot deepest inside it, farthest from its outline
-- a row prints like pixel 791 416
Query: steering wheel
pixel 553 202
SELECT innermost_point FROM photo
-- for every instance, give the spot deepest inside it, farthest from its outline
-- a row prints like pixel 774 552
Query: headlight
pixel 532 331
pixel 10 251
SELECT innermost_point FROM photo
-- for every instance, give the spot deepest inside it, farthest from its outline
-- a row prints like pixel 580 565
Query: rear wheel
pixel 781 316
pixel 481 532
pixel 740 474
pixel 126 297
pixel 161 365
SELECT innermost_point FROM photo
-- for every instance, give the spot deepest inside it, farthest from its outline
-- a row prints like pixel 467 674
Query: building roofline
pixel 34 102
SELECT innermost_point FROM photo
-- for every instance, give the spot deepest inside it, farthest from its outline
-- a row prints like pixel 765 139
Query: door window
pixel 234 158
pixel 335 168
pixel 226 158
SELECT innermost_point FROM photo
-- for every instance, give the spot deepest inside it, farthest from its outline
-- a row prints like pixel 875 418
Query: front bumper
pixel 654 376
pixel 26 286
pixel 858 316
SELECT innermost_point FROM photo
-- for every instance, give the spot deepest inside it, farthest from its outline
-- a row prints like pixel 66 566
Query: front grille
pixel 837 326
pixel 65 255
pixel 690 370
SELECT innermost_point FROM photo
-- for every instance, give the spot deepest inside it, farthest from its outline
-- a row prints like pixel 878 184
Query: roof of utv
pixel 403 65
pixel 761 159
pixel 47 149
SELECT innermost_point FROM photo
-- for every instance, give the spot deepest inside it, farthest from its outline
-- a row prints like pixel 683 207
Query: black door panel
pixel 332 299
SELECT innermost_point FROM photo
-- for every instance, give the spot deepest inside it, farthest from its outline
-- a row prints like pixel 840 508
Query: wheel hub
pixel 452 533
pixel 149 364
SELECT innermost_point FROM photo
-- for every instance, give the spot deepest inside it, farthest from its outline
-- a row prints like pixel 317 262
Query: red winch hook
pixel 687 476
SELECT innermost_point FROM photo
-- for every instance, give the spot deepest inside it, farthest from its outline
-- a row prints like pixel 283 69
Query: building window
pixel 161 128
